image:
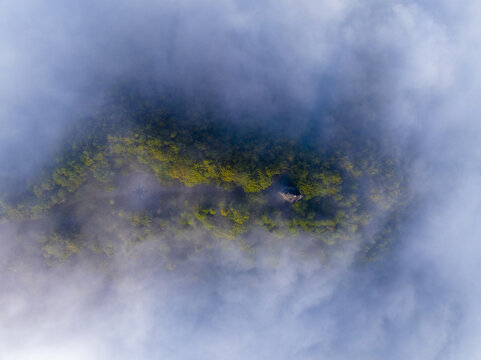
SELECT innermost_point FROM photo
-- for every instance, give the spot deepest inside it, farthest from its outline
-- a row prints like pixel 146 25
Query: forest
pixel 144 170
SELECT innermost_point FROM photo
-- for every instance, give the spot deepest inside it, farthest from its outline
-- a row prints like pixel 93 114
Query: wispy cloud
pixel 410 67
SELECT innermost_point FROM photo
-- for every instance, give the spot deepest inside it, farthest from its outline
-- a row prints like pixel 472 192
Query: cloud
pixel 410 67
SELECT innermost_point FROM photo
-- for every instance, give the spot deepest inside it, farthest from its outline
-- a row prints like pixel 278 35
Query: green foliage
pixel 59 248
pixel 341 186
pixel 313 181
pixel 238 216
pixel 142 219
pixel 69 176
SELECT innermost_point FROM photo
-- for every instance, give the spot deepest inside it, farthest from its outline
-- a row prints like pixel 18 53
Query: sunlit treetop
pixel 167 172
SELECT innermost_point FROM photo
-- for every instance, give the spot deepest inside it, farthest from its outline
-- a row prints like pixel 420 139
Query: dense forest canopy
pixel 160 171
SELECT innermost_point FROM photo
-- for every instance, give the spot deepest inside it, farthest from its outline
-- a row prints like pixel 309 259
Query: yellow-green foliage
pixel 70 176
pixel 59 248
pixel 142 219
pixel 238 216
pixel 341 187
pixel 318 183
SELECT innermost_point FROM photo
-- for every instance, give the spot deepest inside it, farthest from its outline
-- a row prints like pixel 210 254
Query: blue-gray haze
pixel 412 66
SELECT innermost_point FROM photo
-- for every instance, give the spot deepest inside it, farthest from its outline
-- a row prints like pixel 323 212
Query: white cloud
pixel 418 60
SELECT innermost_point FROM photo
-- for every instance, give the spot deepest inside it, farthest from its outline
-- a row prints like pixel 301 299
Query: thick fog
pixel 411 67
